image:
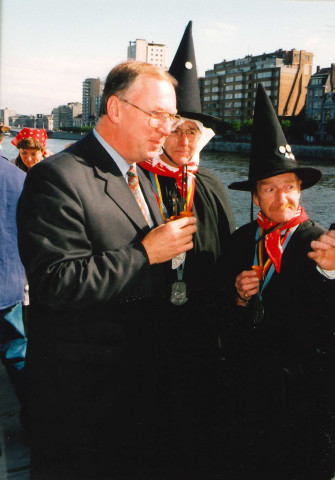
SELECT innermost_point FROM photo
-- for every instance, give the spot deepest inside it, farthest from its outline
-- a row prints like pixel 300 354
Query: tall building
pixel 143 51
pixel 229 89
pixel 63 114
pixel 92 90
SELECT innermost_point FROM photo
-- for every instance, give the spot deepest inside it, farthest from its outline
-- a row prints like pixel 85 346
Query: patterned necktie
pixel 135 188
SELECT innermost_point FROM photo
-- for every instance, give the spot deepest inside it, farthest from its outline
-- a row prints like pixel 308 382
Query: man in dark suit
pixel 99 270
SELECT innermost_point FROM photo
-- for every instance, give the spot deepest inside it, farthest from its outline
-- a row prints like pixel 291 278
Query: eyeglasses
pixel 156 118
pixel 191 133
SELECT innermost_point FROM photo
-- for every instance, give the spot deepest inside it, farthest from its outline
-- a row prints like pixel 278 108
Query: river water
pixel 318 201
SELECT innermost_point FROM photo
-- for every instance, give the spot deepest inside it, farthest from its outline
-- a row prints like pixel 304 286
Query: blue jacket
pixel 11 268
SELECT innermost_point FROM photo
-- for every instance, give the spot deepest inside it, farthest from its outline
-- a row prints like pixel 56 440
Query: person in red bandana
pixel 182 187
pixel 279 341
pixel 31 143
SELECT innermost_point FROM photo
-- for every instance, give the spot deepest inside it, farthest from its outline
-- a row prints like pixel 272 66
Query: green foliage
pixel 76 129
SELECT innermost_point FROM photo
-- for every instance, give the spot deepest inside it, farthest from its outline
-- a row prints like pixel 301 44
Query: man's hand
pixel 324 251
pixel 247 285
pixel 169 239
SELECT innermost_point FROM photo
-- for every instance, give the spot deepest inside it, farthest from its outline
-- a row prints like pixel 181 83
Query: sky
pixel 49 47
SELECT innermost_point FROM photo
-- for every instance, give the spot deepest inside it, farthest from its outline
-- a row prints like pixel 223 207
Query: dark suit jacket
pixel 95 346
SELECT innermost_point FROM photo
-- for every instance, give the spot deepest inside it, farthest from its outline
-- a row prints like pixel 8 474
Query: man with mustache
pixel 279 342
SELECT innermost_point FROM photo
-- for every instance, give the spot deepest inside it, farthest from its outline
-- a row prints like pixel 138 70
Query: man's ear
pixel 113 108
pixel 255 199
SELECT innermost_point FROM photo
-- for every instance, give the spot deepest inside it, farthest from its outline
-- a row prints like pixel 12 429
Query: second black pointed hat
pixel 184 69
pixel 270 153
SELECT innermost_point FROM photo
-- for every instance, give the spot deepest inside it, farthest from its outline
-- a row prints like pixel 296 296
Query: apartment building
pixel 229 89
pixel 319 93
pixel 143 51
pixel 320 100
pixel 63 115
pixel 92 90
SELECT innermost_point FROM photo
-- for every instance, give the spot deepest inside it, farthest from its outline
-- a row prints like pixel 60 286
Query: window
pixel 264 74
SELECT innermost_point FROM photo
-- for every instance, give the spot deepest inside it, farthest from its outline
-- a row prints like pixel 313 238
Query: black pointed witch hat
pixel 270 153
pixel 184 69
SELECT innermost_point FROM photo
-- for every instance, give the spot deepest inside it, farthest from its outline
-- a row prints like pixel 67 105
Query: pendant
pixel 178 260
pixel 178 293
pixel 257 311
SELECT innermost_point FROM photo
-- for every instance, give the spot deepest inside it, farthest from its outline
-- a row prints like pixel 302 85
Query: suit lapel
pixel 116 187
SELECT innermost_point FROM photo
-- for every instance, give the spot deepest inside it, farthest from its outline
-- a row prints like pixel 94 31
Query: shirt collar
pixel 120 161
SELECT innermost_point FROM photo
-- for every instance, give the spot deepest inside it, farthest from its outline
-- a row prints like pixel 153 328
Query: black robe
pixel 282 368
pixel 194 361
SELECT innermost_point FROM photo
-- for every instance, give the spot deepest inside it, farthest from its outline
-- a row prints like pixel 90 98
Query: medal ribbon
pixel 269 267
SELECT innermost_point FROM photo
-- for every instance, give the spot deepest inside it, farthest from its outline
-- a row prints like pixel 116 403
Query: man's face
pixel 138 141
pixel 30 156
pixel 278 197
pixel 181 143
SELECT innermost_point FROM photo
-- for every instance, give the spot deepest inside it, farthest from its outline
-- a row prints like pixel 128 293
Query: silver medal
pixel 178 260
pixel 257 311
pixel 178 293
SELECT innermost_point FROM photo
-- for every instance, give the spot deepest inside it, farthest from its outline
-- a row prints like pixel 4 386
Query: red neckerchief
pixel 158 167
pixel 273 239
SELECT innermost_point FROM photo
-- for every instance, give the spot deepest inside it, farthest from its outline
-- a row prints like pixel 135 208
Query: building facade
pixel 5 113
pixel 143 51
pixel 33 121
pixel 229 89
pixel 92 90
pixel 63 115
pixel 320 101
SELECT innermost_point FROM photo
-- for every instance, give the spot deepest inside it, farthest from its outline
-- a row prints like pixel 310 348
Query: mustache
pixel 286 206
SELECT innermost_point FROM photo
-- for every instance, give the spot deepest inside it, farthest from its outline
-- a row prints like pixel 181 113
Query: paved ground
pixel 14 461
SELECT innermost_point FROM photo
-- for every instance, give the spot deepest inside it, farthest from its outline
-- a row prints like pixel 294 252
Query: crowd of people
pixel 160 342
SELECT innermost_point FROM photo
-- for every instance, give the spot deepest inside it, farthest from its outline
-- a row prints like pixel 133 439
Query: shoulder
pixel 10 172
pixel 69 163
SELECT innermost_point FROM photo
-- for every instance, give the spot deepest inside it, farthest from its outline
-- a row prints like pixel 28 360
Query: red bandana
pixel 273 243
pixel 158 167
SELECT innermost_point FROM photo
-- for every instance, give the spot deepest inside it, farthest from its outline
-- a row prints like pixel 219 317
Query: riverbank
pixel 300 151
pixel 56 135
